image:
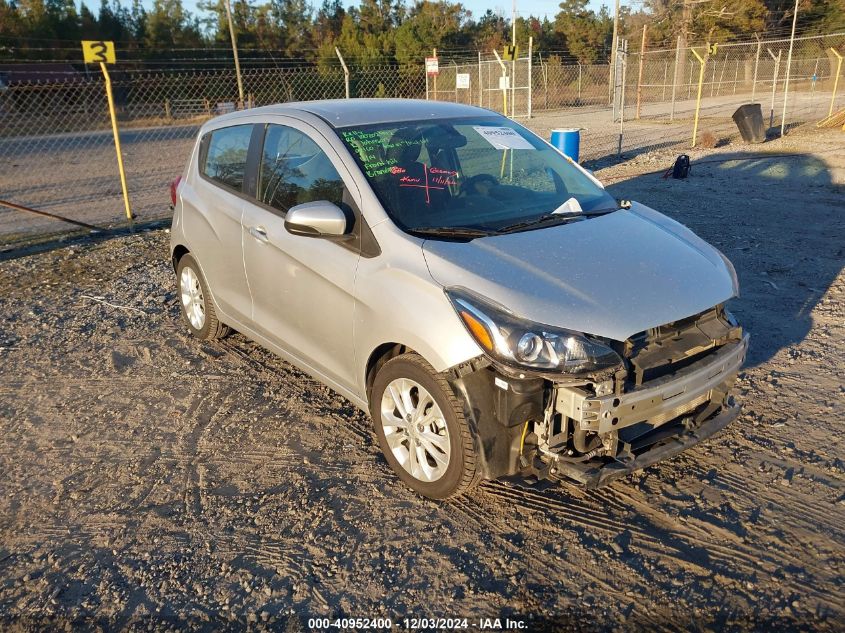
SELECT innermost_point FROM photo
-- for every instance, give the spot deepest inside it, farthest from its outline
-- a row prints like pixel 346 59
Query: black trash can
pixel 749 120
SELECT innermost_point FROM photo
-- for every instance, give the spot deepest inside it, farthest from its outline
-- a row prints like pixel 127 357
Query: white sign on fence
pixel 462 81
pixel 504 82
pixel 431 66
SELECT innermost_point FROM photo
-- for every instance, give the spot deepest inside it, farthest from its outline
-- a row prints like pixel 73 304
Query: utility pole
pixel 788 64
pixel 235 52
pixel 612 70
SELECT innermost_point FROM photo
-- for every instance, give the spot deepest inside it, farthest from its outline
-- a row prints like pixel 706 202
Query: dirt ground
pixel 152 481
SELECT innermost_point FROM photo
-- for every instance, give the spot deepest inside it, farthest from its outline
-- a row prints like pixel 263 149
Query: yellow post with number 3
pixel 103 53
pixel 95 52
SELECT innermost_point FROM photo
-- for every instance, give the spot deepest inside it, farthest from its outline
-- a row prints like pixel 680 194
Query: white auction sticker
pixel 502 137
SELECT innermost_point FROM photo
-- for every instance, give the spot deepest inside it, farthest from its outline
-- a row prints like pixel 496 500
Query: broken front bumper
pixel 660 400
pixel 593 476
pixel 651 423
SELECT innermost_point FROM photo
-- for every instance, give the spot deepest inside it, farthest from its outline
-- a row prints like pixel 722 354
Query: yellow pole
pixel 836 81
pixel 698 98
pixel 120 168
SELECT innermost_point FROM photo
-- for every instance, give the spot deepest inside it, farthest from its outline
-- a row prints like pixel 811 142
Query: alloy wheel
pixel 415 429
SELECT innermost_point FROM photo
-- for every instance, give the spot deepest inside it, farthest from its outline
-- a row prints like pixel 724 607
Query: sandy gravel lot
pixel 151 481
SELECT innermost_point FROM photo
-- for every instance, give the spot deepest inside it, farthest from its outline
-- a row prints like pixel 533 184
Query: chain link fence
pixel 58 154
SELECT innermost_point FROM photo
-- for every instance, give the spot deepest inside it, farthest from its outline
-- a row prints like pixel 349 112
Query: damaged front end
pixel 671 391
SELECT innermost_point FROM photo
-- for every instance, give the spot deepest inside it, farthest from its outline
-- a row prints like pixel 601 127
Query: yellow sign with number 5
pixel 98 51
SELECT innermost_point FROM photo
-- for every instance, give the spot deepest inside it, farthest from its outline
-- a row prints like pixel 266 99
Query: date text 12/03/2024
pixel 418 624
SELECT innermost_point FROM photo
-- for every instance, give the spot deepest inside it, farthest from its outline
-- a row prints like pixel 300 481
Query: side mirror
pixel 320 218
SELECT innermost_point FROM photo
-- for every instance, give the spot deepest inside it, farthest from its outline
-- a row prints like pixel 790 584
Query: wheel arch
pixel 179 251
pixel 378 357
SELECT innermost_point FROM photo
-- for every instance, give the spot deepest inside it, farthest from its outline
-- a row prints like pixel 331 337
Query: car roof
pixel 347 112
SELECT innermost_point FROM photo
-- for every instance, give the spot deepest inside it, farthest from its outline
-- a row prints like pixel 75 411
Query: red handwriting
pixel 408 181
pixel 446 182
pixel 397 170
pixel 437 170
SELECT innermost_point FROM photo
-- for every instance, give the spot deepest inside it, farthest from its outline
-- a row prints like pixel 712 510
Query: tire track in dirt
pixel 738 559
pixel 545 567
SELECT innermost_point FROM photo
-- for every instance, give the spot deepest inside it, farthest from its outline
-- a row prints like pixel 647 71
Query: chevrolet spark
pixel 494 309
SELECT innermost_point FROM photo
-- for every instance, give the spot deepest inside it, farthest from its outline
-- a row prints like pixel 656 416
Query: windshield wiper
pixel 543 219
pixel 459 232
pixel 554 217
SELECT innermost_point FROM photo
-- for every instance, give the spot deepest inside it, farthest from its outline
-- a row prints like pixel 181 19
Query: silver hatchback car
pixel 485 299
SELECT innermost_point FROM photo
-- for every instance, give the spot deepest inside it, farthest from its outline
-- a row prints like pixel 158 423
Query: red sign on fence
pixel 431 66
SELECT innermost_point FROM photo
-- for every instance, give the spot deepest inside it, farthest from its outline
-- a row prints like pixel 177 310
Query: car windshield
pixel 470 176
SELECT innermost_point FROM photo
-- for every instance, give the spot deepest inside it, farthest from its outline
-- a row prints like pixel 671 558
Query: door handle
pixel 259 233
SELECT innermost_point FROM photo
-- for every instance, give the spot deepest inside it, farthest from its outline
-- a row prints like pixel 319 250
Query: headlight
pixel 514 341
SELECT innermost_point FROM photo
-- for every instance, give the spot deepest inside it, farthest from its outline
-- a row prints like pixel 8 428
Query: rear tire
pixel 195 301
pixel 421 428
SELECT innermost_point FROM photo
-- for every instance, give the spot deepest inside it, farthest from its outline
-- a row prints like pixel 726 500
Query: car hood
pixel 612 275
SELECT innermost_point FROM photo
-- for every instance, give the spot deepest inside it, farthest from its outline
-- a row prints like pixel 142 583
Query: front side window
pixel 295 170
pixel 485 173
pixel 225 159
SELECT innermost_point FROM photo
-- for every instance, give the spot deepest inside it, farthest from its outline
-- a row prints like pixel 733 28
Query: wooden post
pixel 640 76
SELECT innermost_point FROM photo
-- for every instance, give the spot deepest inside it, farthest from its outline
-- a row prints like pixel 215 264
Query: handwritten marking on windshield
pixel 409 181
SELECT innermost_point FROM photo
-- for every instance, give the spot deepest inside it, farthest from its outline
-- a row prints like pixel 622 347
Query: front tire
pixel 422 430
pixel 195 301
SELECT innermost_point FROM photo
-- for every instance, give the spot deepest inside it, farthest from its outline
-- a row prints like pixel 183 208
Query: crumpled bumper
pixel 664 449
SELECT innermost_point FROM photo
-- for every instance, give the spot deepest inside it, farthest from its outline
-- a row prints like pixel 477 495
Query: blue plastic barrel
pixel 568 141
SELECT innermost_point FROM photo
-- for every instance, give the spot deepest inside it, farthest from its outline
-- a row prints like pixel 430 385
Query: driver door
pixel 301 287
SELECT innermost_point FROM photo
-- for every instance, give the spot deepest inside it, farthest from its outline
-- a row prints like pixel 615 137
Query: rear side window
pixel 225 158
pixel 295 170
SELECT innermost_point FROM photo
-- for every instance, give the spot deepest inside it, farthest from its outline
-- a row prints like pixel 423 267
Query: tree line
pixel 379 31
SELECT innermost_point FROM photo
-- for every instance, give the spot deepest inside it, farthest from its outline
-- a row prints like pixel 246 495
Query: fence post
pixel 756 64
pixel 640 73
pixel 774 84
pixel 480 83
pixel 665 79
pixel 788 70
pixel 622 48
pixel 346 74
pixel 675 77
pixel 835 81
pixel 702 62
pixel 434 77
pixel 504 90
pixel 530 73
pixel 167 111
